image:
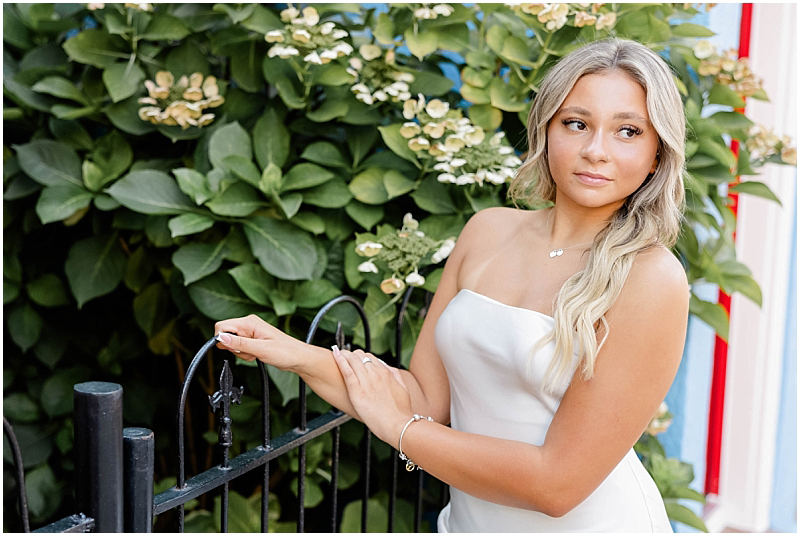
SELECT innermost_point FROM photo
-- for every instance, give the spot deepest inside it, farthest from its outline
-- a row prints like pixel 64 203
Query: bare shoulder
pixel 656 284
pixel 492 222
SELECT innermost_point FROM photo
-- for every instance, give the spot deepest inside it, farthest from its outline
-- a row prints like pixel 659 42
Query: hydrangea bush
pixel 170 165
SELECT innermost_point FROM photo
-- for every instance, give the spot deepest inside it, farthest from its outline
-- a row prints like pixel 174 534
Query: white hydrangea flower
pixel 366 98
pixel 369 249
pixel 437 108
pixel 327 28
pixel 310 16
pixel 704 49
pixel 443 10
pixel 444 250
pixel 368 266
pixel 474 136
pixel 457 162
pixel 446 177
pixel 409 130
pixel 289 13
pixel 418 144
pixel 340 34
pixel 409 222
pixel 415 280
pixel 370 52
pixel 313 58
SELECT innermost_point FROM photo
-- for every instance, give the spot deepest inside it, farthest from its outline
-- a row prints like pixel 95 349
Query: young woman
pixel 554 334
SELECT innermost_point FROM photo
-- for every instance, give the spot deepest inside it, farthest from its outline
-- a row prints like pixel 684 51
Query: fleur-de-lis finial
pixel 224 397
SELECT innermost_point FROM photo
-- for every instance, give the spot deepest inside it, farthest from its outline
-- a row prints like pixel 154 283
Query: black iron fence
pixel 114 467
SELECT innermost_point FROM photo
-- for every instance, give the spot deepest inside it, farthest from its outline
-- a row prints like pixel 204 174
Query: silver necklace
pixel 560 251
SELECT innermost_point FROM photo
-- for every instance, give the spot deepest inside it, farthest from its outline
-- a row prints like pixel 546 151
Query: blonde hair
pixel 650 216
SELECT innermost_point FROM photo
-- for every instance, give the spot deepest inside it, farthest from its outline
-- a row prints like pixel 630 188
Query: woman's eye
pixel 574 124
pixel 630 132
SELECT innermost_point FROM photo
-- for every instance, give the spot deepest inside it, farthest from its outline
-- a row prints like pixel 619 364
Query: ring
pixel 366 360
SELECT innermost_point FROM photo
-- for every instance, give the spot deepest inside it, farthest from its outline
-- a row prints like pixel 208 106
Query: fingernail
pixel 224 338
pixel 335 349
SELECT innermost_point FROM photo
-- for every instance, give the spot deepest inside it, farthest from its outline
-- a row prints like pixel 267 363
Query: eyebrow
pixel 619 115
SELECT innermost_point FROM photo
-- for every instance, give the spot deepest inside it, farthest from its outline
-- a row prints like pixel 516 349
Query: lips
pixel 592 179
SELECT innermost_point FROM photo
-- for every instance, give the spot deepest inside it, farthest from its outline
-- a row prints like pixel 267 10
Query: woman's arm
pixel 426 381
pixel 597 423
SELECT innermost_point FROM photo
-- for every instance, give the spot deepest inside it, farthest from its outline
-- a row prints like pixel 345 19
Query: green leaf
pixel 246 60
pixel 329 110
pixel 123 79
pixel 254 281
pixel 196 261
pixel 43 490
pixel 165 27
pixel 150 192
pixel 262 20
pixel 688 29
pixel 397 143
pixel 377 517
pixel 229 140
pixel 125 116
pixel 712 314
pixel 309 221
pixel 515 50
pixel 271 140
pixel 364 215
pixel 434 196
pixel 731 122
pixel 305 175
pixel 187 224
pixel 288 383
pixel 332 194
pixel 10 291
pixel 315 293
pixel 150 308
pixel 326 153
pixel 485 116
pixel 70 133
pixel 48 291
pixel 396 183
pixel 421 43
pixel 24 326
pixel 282 249
pixel 678 512
pixel 49 162
pixel 193 183
pixel 368 187
pixel 58 86
pixel 20 407
pixel 96 47
pixel 756 188
pixel 58 390
pixel 721 94
pixel 331 74
pixel 218 297
pixel 239 199
pixel 476 78
pixel 58 203
pixel 475 95
pixel 243 168
pixel 502 96
pixel 430 83
pixel 289 203
pixel 186 59
pixel 746 285
pixel 384 29
pixel 94 267
pixel 496 37
pixel 719 152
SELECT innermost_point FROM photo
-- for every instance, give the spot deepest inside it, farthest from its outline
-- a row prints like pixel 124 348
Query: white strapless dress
pixel 483 344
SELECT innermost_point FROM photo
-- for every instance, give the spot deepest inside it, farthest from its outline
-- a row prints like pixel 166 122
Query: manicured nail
pixel 224 338
pixel 336 351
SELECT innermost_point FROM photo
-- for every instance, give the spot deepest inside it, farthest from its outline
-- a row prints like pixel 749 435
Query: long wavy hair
pixel 650 216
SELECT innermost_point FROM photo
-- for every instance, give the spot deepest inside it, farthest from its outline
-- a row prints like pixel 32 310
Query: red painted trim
pixel 717 397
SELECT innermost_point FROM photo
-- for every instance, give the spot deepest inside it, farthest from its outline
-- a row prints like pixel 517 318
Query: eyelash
pixel 636 130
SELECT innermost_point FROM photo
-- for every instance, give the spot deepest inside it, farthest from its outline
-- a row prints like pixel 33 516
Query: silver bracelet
pixel 410 466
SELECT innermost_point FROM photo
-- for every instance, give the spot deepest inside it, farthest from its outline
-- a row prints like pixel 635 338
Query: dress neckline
pixel 484 296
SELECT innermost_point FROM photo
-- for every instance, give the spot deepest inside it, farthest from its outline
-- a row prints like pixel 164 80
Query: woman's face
pixel 600 143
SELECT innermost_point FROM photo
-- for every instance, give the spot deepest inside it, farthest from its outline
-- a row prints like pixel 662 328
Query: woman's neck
pixel 574 225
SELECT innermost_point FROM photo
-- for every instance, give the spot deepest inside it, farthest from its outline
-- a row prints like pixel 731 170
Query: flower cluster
pixel 317 44
pixel 426 12
pixel 707 6
pixel 377 78
pixel 402 253
pixel 462 150
pixel 555 16
pixel 180 103
pixel 763 143
pixel 728 69
pixel 141 7
pixel 660 421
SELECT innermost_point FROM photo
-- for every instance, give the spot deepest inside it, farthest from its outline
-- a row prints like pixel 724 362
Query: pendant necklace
pixel 560 251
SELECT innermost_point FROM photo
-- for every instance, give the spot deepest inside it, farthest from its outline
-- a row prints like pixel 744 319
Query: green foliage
pixel 125 240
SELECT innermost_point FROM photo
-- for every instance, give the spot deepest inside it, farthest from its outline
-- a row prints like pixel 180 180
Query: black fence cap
pixel 98 388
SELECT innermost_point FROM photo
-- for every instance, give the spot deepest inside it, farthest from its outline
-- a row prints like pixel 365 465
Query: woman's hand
pixel 252 338
pixel 377 392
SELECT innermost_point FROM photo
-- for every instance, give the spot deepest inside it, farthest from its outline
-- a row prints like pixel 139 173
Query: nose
pixel 595 149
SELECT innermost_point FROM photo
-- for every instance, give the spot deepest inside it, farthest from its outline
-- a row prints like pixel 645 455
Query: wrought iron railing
pixel 114 467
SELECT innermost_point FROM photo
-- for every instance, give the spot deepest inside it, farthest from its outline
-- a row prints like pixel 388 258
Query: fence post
pixel 98 453
pixel 139 450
